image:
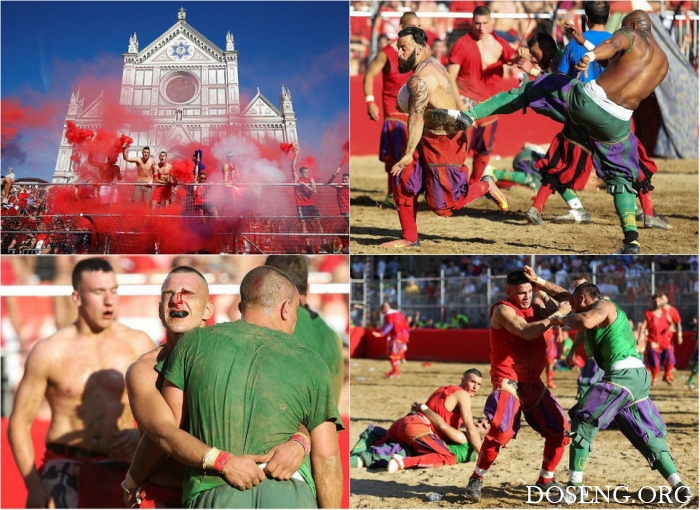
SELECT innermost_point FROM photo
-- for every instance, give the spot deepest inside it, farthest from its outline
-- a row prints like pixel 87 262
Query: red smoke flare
pixel 346 153
pixel 77 136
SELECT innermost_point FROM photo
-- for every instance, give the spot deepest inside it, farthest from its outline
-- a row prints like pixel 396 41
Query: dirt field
pixel 481 228
pixel 613 461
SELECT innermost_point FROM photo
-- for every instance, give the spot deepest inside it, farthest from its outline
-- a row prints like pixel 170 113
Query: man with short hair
pixel 394 131
pixel 622 395
pixel 144 176
pixel 637 65
pixel 304 192
pixel 230 170
pixel 654 331
pixel 396 330
pixel 476 63
pixel 311 330
pixel 80 370
pixel 518 357
pixel 252 385
pixel 153 479
pixel 163 192
pixel 439 169
pixel 428 441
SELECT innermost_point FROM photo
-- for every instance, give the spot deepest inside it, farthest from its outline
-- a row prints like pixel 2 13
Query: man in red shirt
pixel 396 330
pixel 343 191
pixel 394 131
pixel 518 357
pixel 656 330
pixel 476 64
pixel 426 440
pixel 304 196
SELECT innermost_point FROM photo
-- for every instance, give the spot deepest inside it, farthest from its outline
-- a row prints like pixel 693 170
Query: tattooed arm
pixel 417 102
pixel 552 289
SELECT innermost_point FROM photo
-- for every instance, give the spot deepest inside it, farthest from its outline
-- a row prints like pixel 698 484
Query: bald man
pixel 244 387
pixel 637 65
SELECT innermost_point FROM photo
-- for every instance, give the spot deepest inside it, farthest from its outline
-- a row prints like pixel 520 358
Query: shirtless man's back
pixel 80 370
pixel 638 66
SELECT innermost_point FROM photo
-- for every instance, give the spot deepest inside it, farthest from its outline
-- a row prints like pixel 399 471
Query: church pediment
pixel 94 110
pixel 180 45
pixel 177 137
pixel 260 106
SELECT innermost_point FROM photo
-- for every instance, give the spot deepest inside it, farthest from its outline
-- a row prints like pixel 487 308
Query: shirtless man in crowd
pixel 144 177
pixel 161 175
pixel 80 370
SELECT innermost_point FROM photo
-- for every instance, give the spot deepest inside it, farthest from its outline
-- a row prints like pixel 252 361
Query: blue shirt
pixel 574 51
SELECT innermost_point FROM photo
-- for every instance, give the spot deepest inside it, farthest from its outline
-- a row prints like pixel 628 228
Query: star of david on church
pixel 181 50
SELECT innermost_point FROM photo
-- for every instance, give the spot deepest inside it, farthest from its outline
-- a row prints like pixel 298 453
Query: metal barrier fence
pixel 437 298
pixel 248 218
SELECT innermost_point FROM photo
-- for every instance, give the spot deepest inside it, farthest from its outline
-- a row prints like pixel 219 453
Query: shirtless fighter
pixel 144 177
pixel 637 65
pixel 80 370
pixel 439 168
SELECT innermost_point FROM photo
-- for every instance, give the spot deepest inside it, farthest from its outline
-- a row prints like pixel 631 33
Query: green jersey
pixel 612 343
pixel 247 389
pixel 312 331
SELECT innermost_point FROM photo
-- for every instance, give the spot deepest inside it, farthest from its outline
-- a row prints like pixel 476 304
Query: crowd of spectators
pixel 446 30
pixel 437 287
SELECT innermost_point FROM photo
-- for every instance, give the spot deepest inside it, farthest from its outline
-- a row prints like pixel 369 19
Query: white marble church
pixel 189 90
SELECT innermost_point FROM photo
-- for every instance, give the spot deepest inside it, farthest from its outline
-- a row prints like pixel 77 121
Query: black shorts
pixel 307 211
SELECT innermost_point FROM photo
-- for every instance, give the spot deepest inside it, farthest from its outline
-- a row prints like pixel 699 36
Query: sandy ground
pixel 481 228
pixel 613 461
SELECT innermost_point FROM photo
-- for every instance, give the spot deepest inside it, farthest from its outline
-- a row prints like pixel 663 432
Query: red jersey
pixel 200 195
pixel 658 328
pixel 473 81
pixel 344 199
pixel 302 194
pixel 393 81
pixel 436 402
pixel 675 318
pixel 513 357
pixel 400 325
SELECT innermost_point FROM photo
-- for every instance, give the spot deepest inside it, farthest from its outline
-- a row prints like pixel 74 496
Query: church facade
pixel 187 90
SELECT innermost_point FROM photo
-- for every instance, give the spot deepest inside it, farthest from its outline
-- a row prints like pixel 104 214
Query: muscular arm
pixel 125 155
pixel 332 178
pixel 505 317
pixel 325 465
pixel 375 67
pixel 451 433
pixel 312 186
pixel 465 408
pixel 552 289
pixel 418 91
pixel 452 72
pixel 294 167
pixel 29 396
pixel 608 48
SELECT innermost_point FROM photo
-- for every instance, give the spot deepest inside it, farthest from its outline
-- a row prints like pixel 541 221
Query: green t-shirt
pixel 247 389
pixel 313 332
pixel 612 343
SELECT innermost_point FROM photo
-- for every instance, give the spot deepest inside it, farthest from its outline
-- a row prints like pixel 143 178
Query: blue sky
pixel 50 48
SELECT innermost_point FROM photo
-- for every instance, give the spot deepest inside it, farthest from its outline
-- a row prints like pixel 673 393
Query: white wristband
pixel 423 407
pixel 541 282
pixel 369 99
pixel 588 45
pixel 209 458
pixel 590 55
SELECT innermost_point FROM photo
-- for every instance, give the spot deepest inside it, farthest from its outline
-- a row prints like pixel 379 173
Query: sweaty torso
pixel 162 173
pixel 490 51
pixel 86 389
pixel 632 76
pixel 434 79
pixel 144 169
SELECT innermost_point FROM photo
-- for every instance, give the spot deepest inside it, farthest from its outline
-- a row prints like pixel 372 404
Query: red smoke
pixel 17 117
pixel 346 153
pixel 77 136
